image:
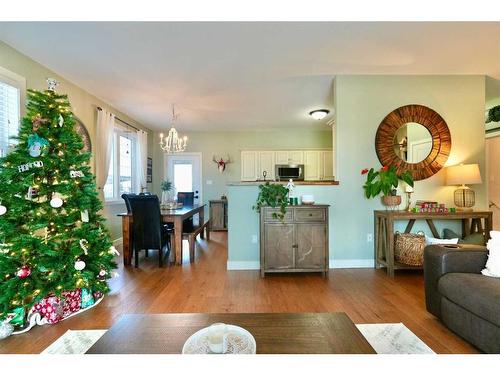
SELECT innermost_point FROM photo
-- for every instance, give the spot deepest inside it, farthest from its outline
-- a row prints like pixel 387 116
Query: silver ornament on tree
pixel 52 84
pixel 61 120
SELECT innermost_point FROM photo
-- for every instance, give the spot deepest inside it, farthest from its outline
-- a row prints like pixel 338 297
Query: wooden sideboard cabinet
pixel 472 222
pixel 218 214
pixel 298 243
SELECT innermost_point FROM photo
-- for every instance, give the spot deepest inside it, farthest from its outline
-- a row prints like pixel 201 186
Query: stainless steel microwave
pixel 290 171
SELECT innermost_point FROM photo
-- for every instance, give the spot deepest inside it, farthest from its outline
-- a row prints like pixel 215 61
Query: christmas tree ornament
pixel 85 216
pixel 5 248
pixel 112 250
pixel 23 272
pixel 52 84
pixel 37 121
pixel 75 174
pixel 61 121
pixel 102 275
pixel 79 265
pixel 37 145
pixel 31 165
pixel 56 200
pixel 40 252
pixel 6 330
pixel 32 193
pixel 83 245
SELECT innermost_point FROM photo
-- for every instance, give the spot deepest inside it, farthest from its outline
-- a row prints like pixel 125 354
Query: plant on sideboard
pixel 385 181
pixel 274 195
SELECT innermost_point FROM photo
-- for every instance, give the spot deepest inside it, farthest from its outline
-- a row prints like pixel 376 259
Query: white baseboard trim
pixel 351 263
pixel 118 241
pixel 334 263
pixel 245 265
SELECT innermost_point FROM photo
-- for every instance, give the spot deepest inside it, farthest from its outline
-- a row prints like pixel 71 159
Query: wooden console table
pixel 472 222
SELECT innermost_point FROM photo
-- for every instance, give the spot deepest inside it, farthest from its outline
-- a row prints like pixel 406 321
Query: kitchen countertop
pixel 252 183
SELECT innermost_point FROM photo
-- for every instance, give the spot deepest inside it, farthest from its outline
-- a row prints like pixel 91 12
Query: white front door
pixel 184 170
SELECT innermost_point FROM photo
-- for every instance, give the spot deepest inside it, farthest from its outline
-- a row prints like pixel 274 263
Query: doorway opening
pixel 184 171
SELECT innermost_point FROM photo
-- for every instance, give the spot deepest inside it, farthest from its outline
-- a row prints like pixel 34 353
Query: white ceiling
pixel 245 75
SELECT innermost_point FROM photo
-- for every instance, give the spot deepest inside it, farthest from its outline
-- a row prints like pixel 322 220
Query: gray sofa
pixel 456 292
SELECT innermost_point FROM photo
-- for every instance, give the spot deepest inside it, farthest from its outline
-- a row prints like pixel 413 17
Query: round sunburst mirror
pixel 414 138
pixel 83 132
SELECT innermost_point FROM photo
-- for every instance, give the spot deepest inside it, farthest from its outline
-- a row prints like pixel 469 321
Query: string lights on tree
pixel 54 246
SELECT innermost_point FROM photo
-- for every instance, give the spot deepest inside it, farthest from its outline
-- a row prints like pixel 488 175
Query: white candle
pixel 409 189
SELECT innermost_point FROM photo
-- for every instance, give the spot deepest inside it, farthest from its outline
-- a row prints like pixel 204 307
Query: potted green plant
pixel 274 195
pixel 166 187
pixel 385 181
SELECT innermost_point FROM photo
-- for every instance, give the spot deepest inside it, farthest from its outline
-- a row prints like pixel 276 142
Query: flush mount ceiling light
pixel 319 114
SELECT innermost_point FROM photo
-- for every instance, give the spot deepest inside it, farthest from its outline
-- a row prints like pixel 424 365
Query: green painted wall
pixel 231 143
pixel 361 103
pixel 83 104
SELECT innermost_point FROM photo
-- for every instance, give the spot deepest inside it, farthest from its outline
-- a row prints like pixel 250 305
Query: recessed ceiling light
pixel 319 114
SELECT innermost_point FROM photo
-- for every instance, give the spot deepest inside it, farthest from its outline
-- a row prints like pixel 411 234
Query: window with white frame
pixel 11 92
pixel 121 174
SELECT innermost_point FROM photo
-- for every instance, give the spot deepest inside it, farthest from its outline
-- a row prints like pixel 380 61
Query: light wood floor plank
pixel 366 295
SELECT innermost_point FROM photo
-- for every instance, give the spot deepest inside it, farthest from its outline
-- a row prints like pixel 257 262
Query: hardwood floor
pixel 366 295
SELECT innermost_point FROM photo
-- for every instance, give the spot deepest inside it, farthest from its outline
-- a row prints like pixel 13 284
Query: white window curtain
pixel 104 145
pixel 141 160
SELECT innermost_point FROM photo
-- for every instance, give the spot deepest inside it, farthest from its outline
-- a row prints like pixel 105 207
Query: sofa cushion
pixel 474 292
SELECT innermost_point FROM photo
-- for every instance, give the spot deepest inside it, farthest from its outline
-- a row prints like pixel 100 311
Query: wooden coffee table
pixel 302 333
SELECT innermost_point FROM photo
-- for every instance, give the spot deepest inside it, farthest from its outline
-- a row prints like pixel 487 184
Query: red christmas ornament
pixel 23 272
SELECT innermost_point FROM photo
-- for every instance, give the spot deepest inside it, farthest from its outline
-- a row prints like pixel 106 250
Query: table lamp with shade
pixel 464 174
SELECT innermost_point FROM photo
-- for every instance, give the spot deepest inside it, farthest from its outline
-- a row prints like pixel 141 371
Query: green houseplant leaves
pixel 274 195
pixel 384 181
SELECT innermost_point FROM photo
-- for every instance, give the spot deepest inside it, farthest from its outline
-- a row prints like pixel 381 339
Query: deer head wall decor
pixel 221 163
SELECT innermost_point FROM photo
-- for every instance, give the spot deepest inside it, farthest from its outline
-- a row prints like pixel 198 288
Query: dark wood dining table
pixel 176 217
pixel 274 333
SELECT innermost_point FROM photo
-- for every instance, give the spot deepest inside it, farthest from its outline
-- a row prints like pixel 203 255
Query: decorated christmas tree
pixel 55 252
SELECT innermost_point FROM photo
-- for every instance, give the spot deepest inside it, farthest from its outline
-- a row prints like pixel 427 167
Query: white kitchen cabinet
pixel 296 157
pixel 289 157
pixel 281 157
pixel 249 165
pixel 326 165
pixel 266 163
pixel 311 165
pixel 318 164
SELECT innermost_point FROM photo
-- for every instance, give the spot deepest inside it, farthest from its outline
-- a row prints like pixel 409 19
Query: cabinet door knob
pixel 310 214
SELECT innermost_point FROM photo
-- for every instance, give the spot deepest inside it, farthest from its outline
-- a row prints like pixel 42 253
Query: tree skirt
pixel 384 338
pixel 35 318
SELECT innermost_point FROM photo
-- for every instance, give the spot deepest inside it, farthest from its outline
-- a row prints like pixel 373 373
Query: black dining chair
pixel 126 197
pixel 187 199
pixel 148 231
